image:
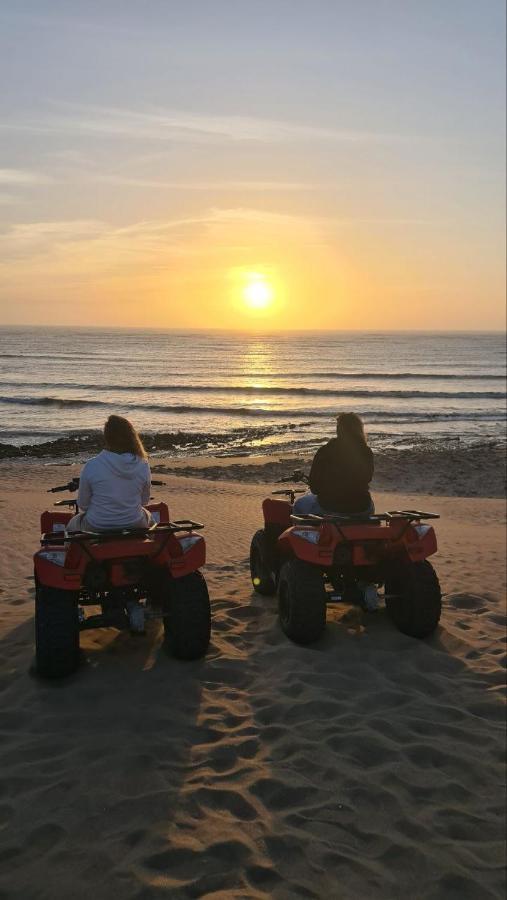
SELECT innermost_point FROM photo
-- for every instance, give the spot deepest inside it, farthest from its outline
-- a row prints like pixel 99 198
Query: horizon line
pixel 253 331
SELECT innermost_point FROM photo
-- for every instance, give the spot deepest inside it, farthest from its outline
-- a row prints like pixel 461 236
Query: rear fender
pixel 54 521
pixel 61 567
pixel 276 512
pixel 420 542
pixel 359 545
pixel 191 554
pixel 120 548
pixel 318 553
pixel 160 512
pixel 51 569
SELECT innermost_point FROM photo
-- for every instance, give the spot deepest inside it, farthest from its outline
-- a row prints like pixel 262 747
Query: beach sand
pixel 369 765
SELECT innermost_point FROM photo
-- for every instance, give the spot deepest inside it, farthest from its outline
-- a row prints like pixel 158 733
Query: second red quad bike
pixel 312 560
pixel 153 571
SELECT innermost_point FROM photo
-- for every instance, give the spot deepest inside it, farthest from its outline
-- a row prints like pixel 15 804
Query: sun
pixel 257 292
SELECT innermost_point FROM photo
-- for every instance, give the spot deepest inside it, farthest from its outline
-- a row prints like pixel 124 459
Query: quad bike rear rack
pixel 120 533
pixel 409 515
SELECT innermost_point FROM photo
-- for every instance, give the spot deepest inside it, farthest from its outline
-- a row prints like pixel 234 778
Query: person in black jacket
pixel 341 473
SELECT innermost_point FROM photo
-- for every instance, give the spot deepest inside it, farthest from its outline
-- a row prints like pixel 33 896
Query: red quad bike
pixel 158 566
pixel 313 560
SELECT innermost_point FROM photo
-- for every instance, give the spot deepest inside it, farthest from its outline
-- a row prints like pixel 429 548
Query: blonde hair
pixel 350 425
pixel 120 436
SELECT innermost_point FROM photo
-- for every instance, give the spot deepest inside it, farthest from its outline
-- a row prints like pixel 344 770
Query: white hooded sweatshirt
pixel 113 488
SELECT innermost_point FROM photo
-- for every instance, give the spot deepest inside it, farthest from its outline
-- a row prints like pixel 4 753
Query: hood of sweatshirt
pixel 121 464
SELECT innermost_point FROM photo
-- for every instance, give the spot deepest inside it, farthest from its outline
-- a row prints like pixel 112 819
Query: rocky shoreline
pixel 452 469
pixel 85 443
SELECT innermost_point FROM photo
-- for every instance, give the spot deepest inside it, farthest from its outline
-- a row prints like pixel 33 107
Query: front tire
pixel 301 601
pixel 263 579
pixel 187 622
pixel 56 632
pixel 414 598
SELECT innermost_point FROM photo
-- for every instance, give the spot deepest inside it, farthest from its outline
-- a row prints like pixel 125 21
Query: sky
pixel 281 164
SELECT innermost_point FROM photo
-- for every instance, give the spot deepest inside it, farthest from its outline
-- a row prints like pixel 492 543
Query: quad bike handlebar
pixel 70 486
pixel 297 475
pixel 290 491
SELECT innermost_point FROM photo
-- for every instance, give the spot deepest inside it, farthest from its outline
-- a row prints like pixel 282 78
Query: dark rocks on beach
pixel 89 442
pixel 70 445
pixel 93 442
pixel 431 468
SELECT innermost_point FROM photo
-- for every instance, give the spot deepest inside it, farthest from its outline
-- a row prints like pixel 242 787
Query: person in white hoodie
pixel 113 488
pixel 115 485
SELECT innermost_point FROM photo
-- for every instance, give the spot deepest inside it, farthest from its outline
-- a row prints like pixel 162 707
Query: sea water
pixel 261 390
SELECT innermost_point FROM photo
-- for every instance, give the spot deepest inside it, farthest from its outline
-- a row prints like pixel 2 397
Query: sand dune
pixel 369 765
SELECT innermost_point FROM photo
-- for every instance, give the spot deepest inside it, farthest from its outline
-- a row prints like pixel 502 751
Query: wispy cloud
pixel 28 240
pixel 126 181
pixel 173 125
pixel 19 177
pixel 7 199
pixel 93 260
pixel 156 240
pixel 48 246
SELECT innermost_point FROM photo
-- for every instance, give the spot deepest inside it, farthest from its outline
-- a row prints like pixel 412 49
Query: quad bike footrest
pixel 116 618
pixel 113 619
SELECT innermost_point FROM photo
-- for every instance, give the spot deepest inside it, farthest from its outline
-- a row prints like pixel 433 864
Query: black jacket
pixel 340 475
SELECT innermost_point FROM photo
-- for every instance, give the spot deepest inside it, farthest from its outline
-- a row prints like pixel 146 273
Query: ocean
pixel 252 392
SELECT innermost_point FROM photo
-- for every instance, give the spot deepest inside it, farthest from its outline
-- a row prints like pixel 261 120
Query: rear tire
pixel 301 601
pixel 187 623
pixel 56 632
pixel 263 579
pixel 414 598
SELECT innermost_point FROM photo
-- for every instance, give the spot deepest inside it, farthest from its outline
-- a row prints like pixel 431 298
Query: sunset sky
pixel 253 163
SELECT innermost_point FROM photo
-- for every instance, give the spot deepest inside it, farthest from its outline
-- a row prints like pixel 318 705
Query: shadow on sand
pixel 366 765
pixel 92 765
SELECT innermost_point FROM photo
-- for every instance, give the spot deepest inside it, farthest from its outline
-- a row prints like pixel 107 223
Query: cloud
pixel 173 125
pixel 62 248
pixel 267 186
pixel 19 177
pixel 29 240
pixel 7 199
pixel 87 242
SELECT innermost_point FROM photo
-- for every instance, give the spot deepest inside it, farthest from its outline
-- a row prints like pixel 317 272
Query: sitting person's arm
pixel 85 492
pixel 146 490
pixel 364 465
pixel 319 472
pixel 371 468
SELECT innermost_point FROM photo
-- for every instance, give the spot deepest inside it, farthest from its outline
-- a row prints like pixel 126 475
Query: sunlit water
pixel 407 387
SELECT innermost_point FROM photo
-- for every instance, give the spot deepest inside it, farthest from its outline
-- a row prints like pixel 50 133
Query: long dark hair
pixel 350 426
pixel 120 436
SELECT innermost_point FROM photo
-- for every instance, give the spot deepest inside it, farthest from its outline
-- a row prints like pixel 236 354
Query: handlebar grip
pixel 71 485
pixel 298 475
pixel 158 483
